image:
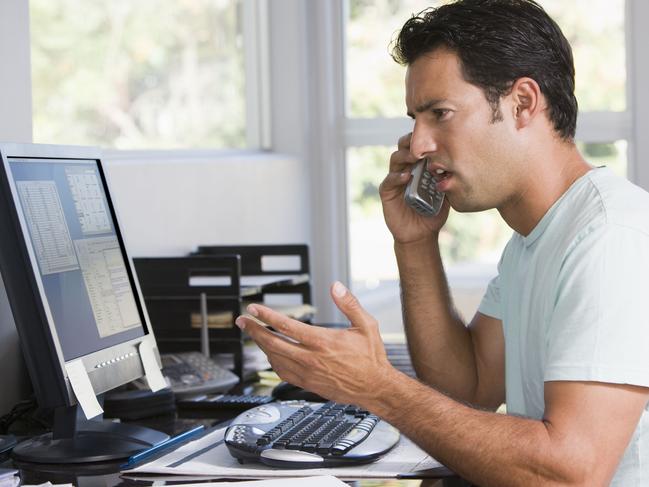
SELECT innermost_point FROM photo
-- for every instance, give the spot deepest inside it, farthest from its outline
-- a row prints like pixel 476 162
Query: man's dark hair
pixel 497 42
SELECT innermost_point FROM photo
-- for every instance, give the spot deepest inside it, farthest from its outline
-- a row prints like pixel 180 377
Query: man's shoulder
pixel 609 214
pixel 618 201
pixel 603 199
pixel 599 208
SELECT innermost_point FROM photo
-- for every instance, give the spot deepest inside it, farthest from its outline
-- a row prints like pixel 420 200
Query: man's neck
pixel 544 183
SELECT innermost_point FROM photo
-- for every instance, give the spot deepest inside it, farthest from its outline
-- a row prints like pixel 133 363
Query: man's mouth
pixel 442 179
pixel 440 175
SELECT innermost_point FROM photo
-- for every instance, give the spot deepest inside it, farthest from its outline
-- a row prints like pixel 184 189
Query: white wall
pixel 15 126
pixel 169 206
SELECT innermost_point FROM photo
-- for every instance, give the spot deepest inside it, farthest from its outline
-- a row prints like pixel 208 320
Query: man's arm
pixel 579 441
pixel 467 363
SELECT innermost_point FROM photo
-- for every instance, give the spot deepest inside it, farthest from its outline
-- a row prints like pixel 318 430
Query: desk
pixel 106 474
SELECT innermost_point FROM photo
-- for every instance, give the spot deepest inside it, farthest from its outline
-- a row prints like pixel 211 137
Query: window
pixel 375 108
pixel 138 75
pixel 595 30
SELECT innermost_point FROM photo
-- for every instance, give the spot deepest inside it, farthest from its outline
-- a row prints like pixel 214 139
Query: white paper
pixel 82 388
pixel 319 481
pixel 215 461
pixel 249 281
pixel 7 473
pixel 9 478
pixel 151 370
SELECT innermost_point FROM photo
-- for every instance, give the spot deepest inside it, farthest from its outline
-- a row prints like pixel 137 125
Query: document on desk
pixel 319 481
pixel 209 457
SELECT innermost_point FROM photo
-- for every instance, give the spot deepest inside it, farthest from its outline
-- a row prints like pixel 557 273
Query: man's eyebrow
pixel 427 105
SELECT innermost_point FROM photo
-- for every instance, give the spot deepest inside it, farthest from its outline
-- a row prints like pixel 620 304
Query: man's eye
pixel 441 113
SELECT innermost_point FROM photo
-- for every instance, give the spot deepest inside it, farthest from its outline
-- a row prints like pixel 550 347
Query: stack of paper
pixel 9 477
pixel 320 481
pixel 225 319
pixel 209 457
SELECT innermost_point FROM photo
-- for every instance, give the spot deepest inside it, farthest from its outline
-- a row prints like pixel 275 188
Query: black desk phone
pixel 192 373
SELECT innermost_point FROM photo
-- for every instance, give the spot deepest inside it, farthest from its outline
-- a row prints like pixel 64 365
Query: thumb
pixel 351 308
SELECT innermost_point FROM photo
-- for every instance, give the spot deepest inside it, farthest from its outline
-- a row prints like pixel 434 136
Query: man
pixel 562 333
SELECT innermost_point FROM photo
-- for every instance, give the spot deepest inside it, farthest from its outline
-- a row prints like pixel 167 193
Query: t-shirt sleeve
pixel 490 304
pixel 599 327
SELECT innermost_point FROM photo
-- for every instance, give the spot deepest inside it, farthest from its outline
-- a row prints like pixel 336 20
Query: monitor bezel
pixel 108 367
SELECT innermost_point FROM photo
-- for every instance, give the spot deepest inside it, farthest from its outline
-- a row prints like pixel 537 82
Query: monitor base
pixel 93 441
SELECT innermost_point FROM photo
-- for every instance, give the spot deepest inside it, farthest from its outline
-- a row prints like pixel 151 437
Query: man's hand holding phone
pixel 405 224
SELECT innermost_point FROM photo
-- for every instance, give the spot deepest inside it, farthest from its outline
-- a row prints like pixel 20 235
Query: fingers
pixel 284 356
pixel 351 308
pixel 294 329
pixel 394 181
pixel 269 342
pixel 404 141
pixel 401 162
pixel 402 159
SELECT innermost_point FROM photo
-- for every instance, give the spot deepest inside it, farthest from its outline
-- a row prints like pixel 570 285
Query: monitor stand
pixel 77 440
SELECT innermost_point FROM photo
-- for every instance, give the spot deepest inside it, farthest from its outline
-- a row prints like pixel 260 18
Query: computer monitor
pixel 73 293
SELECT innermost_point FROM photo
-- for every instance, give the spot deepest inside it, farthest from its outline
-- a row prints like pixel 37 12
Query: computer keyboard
pixel 399 357
pixel 299 434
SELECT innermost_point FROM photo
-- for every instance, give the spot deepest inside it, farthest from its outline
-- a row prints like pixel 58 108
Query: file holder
pixel 283 268
pixel 172 301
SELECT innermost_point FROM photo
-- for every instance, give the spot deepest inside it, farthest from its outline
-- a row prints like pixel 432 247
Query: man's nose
pixel 423 142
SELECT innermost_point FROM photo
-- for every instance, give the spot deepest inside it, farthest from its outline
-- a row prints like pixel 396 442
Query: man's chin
pixel 466 206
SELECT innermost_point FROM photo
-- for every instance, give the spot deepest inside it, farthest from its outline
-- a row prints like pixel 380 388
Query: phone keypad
pixel 428 191
pixel 192 371
pixel 421 193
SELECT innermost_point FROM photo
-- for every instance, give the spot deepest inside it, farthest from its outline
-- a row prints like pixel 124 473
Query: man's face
pixel 455 131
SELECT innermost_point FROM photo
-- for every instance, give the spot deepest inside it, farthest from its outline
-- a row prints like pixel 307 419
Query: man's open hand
pixel 346 365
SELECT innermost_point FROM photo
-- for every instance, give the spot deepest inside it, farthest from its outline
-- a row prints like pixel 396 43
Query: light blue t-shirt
pixel 572 297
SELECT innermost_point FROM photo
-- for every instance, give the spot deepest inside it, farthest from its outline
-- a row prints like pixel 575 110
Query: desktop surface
pixel 107 474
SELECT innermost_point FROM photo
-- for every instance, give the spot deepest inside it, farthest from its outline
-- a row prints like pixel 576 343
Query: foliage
pixel 126 74
pixel 595 29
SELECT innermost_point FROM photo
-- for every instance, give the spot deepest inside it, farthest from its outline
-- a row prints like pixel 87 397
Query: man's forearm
pixel 439 342
pixel 486 448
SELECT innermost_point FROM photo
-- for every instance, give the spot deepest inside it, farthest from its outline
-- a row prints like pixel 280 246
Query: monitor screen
pixel 83 269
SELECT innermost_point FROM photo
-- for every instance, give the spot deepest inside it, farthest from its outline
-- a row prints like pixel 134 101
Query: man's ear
pixel 527 101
